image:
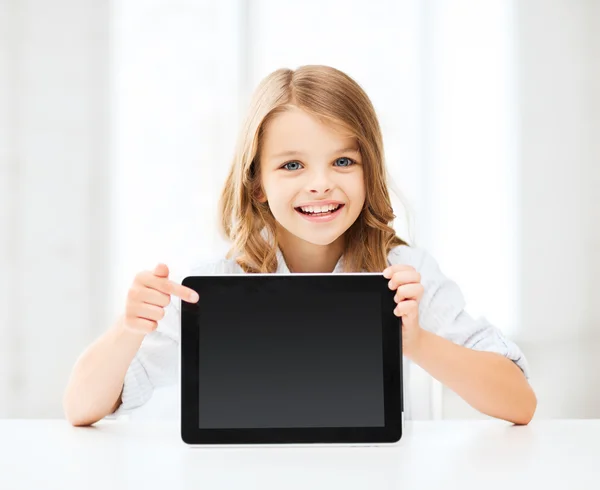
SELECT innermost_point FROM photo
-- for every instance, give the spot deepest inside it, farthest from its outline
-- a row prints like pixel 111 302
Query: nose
pixel 320 183
pixel 320 190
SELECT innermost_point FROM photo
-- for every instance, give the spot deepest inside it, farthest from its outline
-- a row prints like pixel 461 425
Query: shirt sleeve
pixel 442 311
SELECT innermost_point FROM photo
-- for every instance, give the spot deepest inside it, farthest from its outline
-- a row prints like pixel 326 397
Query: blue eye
pixel 346 162
pixel 286 166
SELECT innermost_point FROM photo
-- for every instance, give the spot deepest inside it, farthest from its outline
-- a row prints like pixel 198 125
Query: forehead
pixel 296 130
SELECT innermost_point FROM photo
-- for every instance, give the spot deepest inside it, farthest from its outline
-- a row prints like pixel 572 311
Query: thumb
pixel 161 270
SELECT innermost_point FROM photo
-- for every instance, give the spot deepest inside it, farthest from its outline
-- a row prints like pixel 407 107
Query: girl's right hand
pixel 149 294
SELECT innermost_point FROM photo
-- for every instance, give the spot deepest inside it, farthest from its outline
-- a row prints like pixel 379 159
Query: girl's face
pixel 312 177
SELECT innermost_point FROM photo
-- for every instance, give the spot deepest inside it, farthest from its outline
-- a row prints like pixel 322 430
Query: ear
pixel 260 196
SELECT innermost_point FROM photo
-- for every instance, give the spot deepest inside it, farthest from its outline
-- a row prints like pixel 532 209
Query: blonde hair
pixel 333 97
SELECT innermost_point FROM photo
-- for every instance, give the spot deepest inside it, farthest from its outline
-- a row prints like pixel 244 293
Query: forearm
pixel 94 388
pixel 488 381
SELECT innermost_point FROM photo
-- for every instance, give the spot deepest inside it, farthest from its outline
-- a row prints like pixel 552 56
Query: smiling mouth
pixel 320 213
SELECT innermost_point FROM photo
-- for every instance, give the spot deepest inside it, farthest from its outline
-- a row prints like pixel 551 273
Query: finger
pixel 409 291
pixel 161 270
pixel 389 271
pixel 404 277
pixel 408 308
pixel 169 287
pixel 144 294
pixel 154 297
pixel 180 291
pixel 148 312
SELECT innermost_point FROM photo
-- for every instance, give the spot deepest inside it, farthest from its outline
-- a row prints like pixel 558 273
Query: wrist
pixel 416 345
pixel 125 335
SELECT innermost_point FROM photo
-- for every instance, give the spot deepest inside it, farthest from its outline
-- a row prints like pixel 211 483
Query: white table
pixel 50 454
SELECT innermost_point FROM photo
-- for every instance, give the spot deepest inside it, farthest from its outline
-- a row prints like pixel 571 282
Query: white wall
pixel 559 159
pixel 7 166
pixel 559 163
pixel 53 195
pixel 560 64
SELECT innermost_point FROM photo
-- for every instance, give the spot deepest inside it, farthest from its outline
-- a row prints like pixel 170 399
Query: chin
pixel 321 237
pixel 319 240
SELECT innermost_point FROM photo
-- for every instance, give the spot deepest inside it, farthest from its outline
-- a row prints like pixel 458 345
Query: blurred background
pixel 117 126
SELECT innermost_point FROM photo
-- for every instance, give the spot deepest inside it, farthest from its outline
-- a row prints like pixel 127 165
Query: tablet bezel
pixel 191 433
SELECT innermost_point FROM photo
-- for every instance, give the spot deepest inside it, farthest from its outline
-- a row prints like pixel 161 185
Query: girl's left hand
pixel 406 281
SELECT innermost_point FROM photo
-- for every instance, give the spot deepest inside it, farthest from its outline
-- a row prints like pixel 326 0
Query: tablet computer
pixel 291 359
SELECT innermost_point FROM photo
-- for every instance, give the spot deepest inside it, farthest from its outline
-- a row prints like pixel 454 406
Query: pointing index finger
pixel 180 291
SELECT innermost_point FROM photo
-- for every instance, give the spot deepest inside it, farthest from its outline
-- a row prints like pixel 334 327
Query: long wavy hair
pixel 333 97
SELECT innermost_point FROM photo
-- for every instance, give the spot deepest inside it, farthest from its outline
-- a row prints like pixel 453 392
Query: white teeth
pixel 319 209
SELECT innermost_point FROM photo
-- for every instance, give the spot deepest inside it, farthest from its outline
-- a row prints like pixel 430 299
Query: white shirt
pixel 441 311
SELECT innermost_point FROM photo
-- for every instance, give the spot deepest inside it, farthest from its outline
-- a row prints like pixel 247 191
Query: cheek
pixel 356 190
pixel 269 187
pixel 278 193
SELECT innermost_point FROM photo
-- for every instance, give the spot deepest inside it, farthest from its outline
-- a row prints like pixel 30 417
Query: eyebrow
pixel 294 153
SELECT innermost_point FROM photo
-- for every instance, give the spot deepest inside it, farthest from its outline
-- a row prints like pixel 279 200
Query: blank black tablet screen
pixel 310 359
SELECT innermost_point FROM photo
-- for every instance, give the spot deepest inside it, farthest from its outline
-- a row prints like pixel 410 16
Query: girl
pixel 307 192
